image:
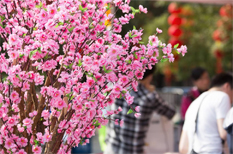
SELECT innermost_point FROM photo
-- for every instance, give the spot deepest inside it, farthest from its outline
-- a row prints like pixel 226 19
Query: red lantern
pixel 175 31
pixel 217 35
pixel 174 19
pixel 218 54
pixel 174 8
pixel 174 41
pixel 226 11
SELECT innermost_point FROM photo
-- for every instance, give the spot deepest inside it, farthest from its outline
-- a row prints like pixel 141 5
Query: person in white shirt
pixel 228 126
pixel 206 134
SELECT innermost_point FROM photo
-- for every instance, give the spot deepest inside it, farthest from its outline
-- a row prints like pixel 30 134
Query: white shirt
pixel 214 105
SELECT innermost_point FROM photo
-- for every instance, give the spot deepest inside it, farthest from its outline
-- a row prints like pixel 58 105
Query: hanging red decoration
pixel 174 41
pixel 226 11
pixel 175 31
pixel 174 8
pixel 217 35
pixel 174 19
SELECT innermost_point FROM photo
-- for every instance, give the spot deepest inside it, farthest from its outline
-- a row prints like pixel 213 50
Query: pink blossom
pixel 22 141
pixel 14 96
pixel 129 99
pixel 137 115
pixel 137 108
pixel 13 39
pixel 43 37
pixel 27 122
pixel 47 137
pixel 122 123
pixel 21 152
pixel 117 89
pixel 36 149
pixel 45 114
pixel 119 109
pixel 159 30
pixel 116 121
pixel 182 50
pixel 142 9
pixel 11 121
pixel 48 65
pixel 26 86
pixel 9 144
pixel 61 104
pixel 20 129
pixel 139 74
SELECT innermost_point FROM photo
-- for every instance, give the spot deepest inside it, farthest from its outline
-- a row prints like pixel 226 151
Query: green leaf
pixel 137 11
pixel 96 123
pixel 72 97
pixel 80 7
pixel 56 26
pixel 0 105
pixel 21 55
pixel 41 119
pixel 79 62
pixel 24 34
pixel 69 94
pixel 129 61
pixel 175 46
pixel 60 23
pixel 32 53
pixel 36 142
pixel 130 111
pixel 89 75
pixel 71 29
pixel 141 42
pixel 91 100
pixel 123 91
pixel 94 78
pixel 134 36
pixel 130 34
pixel 108 71
pixel 38 6
pixel 142 57
pixel 47 56
pixel 35 28
pixel 163 60
pixel 134 27
pixel 151 43
pixel 25 127
pixel 118 57
pixel 133 9
pixel 135 56
pixel 105 70
pixel 58 9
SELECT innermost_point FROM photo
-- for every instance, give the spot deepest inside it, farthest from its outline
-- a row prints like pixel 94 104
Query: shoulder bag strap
pixel 196 121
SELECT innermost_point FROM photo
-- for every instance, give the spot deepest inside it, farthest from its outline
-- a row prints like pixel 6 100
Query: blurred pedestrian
pixel 201 81
pixel 228 126
pixel 130 138
pixel 203 130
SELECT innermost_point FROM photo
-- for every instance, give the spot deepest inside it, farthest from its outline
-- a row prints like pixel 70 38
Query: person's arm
pixel 184 143
pixel 162 108
pixel 221 130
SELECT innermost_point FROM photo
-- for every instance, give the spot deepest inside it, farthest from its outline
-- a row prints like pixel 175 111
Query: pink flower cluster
pixel 60 66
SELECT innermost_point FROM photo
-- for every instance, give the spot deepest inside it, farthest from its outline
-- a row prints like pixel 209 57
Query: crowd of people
pixel 205 110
